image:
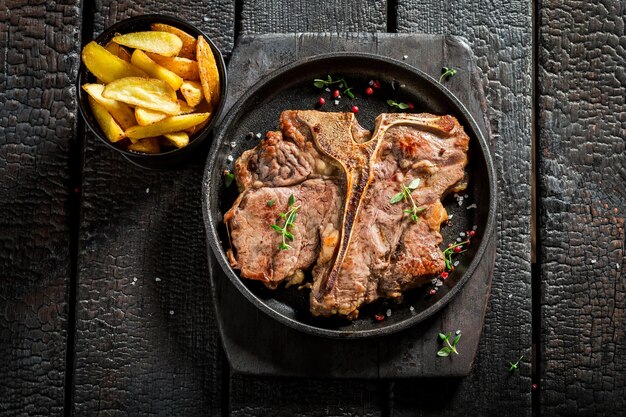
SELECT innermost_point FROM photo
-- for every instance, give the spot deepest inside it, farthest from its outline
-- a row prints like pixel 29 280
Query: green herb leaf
pixel 391 103
pixel 271 203
pixel 403 106
pixel 283 246
pixel 443 352
pixel 456 339
pixel 414 184
pixel 397 198
pixel 515 366
pixel 288 235
pixel 400 105
pixel 292 200
pixel 319 83
pixel 349 93
pixel 277 228
pixel 229 177
pixel 442 336
pixel 447 73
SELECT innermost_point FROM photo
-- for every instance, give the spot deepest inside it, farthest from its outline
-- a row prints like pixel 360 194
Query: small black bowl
pixel 163 159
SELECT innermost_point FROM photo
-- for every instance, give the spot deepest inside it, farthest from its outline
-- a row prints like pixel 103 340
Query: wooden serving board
pixel 257 344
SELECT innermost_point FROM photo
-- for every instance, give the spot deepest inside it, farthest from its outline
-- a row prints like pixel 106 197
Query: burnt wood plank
pixel 501 38
pixel 38 62
pixel 282 16
pixel 582 166
pixel 146 340
pixel 257 395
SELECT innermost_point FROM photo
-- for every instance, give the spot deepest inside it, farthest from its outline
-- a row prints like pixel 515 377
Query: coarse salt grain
pixel 147 190
pixel 405 57
pixel 466 196
pixel 450 216
pixel 258 135
pixel 205 18
pixel 171 312
pixel 157 279
pixel 439 283
pixel 134 281
pixel 327 90
pixel 593 261
pixel 371 82
pixel 433 281
pixel 458 332
pixel 233 144
pixel 474 227
pixel 230 158
pixel 462 234
pixel 458 239
pixel 456 263
pixel 412 308
pixel 402 85
pixel 472 206
pixel 336 102
pixel 388 312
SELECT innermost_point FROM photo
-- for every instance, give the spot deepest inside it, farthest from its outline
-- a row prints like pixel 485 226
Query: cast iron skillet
pixel 291 87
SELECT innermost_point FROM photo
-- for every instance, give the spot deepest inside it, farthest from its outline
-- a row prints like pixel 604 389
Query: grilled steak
pixel 357 244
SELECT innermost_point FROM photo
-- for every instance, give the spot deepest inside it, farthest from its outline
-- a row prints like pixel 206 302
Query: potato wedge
pixel 120 111
pixel 168 125
pixel 147 145
pixel 118 50
pixel 106 66
pixel 163 43
pixel 148 93
pixel 146 117
pixel 183 67
pixel 145 63
pixel 192 92
pixel 178 139
pixel 109 126
pixel 209 76
pixel 189 42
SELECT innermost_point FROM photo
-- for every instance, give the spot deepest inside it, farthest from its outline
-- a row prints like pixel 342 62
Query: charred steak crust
pixel 358 246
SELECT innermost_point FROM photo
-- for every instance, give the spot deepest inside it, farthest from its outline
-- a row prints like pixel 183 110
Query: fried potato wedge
pixel 153 69
pixel 192 92
pixel 209 76
pixel 188 49
pixel 163 43
pixel 147 145
pixel 121 112
pixel 118 50
pixel 109 126
pixel 146 117
pixel 148 93
pixel 183 67
pixel 106 66
pixel 178 139
pixel 168 125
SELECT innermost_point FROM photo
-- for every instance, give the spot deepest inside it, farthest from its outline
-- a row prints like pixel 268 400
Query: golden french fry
pixel 192 92
pixel 168 125
pixel 188 49
pixel 146 117
pixel 209 76
pixel 147 145
pixel 109 126
pixel 148 93
pixel 106 66
pixel 118 50
pixel 183 67
pixel 178 139
pixel 120 111
pixel 203 107
pixel 162 43
pixel 144 62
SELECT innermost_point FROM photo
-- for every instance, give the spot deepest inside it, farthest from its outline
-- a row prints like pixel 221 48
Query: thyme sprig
pixel 229 177
pixel 450 250
pixel 449 347
pixel 447 73
pixel 405 194
pixel 515 366
pixel 401 105
pixel 319 83
pixel 290 218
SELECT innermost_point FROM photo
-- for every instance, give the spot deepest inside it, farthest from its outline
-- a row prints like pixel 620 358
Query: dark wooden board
pixel 146 339
pixel 38 63
pixel 582 171
pixel 255 343
pixel 500 34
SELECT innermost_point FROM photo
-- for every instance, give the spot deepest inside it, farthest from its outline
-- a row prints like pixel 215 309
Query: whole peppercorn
pixel 432 291
pixel 369 91
pixel 354 109
pixel 321 101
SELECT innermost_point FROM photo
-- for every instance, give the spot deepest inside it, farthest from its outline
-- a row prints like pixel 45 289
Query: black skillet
pixel 291 87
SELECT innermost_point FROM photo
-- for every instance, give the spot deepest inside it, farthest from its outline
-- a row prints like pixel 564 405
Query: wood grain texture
pixel 500 35
pixel 146 340
pixel 282 16
pixel 582 87
pixel 38 63
pixel 262 395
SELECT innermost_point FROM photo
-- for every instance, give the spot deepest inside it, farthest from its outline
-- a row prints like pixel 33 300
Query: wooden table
pixel 105 306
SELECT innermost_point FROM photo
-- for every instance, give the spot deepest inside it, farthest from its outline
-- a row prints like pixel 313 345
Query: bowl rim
pixel 180 24
pixel 222 260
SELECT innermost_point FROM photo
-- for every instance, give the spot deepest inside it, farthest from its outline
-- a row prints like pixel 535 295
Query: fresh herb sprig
pixel 229 177
pixel 447 73
pixel 405 194
pixel 289 218
pixel 401 105
pixel 452 250
pixel 319 83
pixel 515 366
pixel 449 346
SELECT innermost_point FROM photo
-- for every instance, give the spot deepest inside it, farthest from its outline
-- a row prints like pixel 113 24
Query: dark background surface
pixel 87 329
